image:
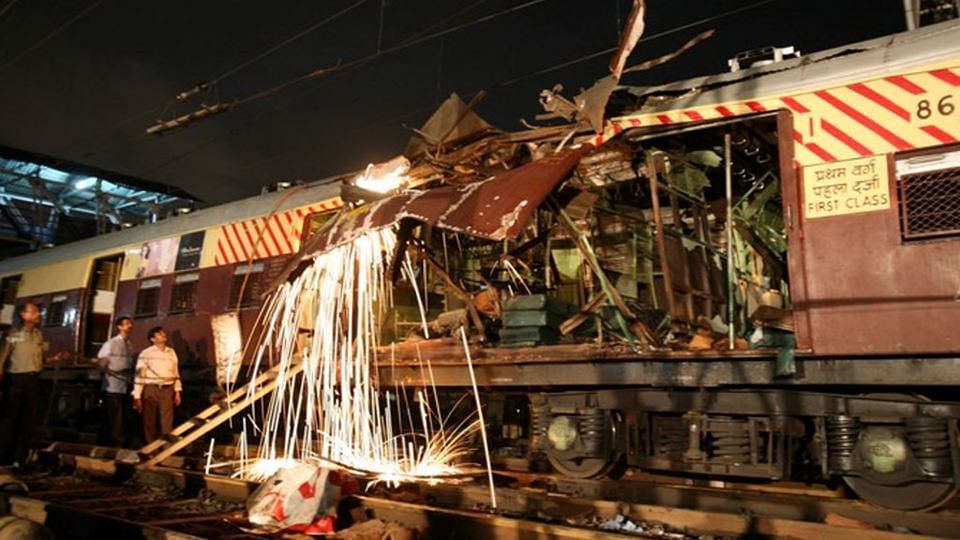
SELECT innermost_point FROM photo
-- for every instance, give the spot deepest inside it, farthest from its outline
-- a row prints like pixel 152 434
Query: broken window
pixel 640 245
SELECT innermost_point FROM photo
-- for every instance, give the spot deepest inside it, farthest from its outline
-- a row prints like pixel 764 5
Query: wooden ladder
pixel 213 416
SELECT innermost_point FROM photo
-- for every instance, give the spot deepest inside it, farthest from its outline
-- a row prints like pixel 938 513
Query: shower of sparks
pixel 328 319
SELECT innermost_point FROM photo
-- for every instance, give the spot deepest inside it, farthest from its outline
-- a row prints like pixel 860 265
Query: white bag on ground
pixel 292 496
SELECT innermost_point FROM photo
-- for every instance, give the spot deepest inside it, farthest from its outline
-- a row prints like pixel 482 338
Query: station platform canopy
pixel 46 201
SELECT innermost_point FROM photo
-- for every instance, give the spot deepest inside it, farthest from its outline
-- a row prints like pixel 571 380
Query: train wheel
pixel 913 496
pixel 585 467
pixel 884 445
pixel 564 436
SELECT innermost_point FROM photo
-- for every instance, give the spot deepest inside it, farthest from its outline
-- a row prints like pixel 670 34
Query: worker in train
pixel 116 362
pixel 21 361
pixel 156 385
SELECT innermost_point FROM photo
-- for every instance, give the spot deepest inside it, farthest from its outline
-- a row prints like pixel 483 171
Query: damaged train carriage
pixel 778 247
pixel 745 275
pixel 200 276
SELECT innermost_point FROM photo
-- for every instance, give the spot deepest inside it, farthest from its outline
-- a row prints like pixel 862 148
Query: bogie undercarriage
pixel 894 450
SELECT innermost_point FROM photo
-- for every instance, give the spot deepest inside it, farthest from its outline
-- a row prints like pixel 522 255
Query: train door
pixel 8 299
pixel 101 297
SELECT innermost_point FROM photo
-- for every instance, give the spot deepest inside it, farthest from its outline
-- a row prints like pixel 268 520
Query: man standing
pixel 21 360
pixel 156 385
pixel 116 362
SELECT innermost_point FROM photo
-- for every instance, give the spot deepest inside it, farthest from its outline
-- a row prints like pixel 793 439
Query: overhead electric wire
pixel 228 73
pixel 286 42
pixel 7 7
pixel 514 80
pixel 43 41
pixel 643 39
pixel 396 48
pixel 410 41
pixel 443 21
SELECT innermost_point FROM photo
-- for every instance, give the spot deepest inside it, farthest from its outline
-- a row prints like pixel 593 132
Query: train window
pixel 55 311
pixel 8 299
pixel 8 290
pixel 148 298
pixel 929 188
pixel 251 290
pixel 184 296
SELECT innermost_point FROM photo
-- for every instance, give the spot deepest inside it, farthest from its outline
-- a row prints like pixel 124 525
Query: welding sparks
pixel 328 320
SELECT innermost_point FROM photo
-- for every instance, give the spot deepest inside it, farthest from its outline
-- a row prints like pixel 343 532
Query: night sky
pixel 89 92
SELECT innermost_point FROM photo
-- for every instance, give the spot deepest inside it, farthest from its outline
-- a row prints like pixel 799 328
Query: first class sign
pixel 846 187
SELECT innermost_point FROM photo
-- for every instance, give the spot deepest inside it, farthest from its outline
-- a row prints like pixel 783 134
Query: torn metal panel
pixel 453 122
pixel 875 58
pixel 495 209
pixel 631 35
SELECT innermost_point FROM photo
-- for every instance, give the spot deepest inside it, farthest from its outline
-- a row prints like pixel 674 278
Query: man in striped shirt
pixel 156 385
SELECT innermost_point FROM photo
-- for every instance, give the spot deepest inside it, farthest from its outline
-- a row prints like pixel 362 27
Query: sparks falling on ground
pixel 327 321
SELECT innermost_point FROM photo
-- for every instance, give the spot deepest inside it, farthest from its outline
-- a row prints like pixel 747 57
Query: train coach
pixel 817 340
pixel 180 273
pixel 750 275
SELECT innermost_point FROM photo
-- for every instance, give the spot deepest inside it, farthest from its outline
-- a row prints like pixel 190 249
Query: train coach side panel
pixel 190 333
pixel 871 292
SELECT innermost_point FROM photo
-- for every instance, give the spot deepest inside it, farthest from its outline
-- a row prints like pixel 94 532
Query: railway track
pixel 89 496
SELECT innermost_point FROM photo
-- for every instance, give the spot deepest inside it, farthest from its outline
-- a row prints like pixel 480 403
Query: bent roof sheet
pixel 495 209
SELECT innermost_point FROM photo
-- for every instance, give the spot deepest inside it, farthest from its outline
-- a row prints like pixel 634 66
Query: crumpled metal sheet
pixel 496 208
pixel 631 35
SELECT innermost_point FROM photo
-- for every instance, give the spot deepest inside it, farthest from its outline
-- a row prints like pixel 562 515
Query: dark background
pixel 88 92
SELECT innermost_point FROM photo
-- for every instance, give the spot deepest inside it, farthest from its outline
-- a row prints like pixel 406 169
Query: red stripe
pixel 947 76
pixel 873 96
pixel 226 234
pixel 844 138
pixel 814 147
pixel 289 219
pixel 276 219
pixel 216 259
pixel 664 119
pixel 276 245
pixel 299 213
pixel 617 128
pixel 939 134
pixel 864 120
pixel 905 85
pixel 254 245
pixel 262 238
pixel 756 106
pixel 221 253
pixel 243 248
pixel 724 111
pixel 794 105
pixel 635 122
pixel 694 115
pixel 597 141
pixel 820 152
pixel 312 208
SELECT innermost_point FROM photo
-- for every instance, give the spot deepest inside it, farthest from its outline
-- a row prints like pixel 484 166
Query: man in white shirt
pixel 116 361
pixel 156 385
